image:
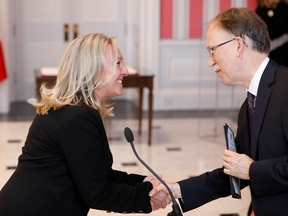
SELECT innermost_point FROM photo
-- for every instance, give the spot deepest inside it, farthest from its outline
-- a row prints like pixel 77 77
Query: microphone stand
pixel 175 207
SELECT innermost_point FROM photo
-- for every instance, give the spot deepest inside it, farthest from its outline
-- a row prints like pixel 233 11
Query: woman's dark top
pixel 277 24
pixel 66 168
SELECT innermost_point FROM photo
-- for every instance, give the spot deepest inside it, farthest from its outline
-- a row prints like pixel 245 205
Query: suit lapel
pixel 263 95
pixel 262 102
pixel 246 129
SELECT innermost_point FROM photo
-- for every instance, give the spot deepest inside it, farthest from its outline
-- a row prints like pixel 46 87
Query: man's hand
pixel 160 199
pixel 237 165
pixel 174 187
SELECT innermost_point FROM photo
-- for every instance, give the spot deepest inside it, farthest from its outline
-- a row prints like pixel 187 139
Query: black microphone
pixel 130 138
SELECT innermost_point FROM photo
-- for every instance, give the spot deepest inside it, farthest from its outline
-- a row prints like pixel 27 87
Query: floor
pixel 184 144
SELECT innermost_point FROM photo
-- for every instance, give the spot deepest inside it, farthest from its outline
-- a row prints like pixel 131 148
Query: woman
pixel 275 14
pixel 65 165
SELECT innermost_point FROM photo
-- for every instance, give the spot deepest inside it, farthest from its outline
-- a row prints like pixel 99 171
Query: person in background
pixel 66 165
pixel 238 43
pixel 275 15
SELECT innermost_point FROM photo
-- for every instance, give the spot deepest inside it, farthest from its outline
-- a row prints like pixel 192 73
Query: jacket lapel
pixel 263 95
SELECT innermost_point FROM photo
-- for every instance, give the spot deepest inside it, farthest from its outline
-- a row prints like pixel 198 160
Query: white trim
pixel 4 37
pixel 109 6
pixel 167 42
pixel 31 15
pixel 182 20
pixel 238 3
pixel 149 36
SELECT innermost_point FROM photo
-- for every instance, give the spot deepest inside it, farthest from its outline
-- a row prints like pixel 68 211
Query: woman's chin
pixel 117 94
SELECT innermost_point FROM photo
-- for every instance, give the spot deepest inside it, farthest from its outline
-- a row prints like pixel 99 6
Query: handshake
pixel 159 195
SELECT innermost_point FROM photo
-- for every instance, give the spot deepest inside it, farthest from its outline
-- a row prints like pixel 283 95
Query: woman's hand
pixel 160 199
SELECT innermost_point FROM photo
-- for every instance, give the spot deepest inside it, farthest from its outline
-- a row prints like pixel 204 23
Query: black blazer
pixel 268 146
pixel 277 26
pixel 65 169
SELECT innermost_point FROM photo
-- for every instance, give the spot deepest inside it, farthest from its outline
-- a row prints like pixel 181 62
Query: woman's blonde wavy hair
pixel 81 71
pixel 270 3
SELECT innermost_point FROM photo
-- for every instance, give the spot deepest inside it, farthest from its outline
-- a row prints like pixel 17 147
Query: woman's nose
pixel 125 71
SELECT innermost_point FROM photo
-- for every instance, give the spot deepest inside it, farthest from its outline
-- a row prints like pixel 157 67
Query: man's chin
pixel 224 81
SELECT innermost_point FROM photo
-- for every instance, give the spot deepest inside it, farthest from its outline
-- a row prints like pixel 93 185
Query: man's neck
pixel 253 63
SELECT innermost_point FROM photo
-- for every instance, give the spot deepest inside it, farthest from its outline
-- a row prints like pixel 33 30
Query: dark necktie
pixel 250 99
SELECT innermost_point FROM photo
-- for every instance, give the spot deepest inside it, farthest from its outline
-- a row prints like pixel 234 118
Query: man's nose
pixel 211 61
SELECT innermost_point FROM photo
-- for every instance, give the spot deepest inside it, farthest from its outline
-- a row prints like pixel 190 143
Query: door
pixel 45 28
pixel 98 16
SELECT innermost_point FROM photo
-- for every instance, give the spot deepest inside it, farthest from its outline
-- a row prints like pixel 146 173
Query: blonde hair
pixel 81 71
pixel 270 3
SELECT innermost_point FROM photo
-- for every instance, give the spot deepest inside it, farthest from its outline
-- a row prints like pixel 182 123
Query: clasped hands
pixel 234 164
pixel 159 195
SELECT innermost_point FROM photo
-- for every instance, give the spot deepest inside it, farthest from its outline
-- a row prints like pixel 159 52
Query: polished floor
pixel 184 144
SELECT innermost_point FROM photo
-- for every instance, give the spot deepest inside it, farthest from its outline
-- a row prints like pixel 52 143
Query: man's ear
pixel 240 46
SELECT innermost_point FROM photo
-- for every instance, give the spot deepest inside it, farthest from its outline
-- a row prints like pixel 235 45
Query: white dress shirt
pixel 253 87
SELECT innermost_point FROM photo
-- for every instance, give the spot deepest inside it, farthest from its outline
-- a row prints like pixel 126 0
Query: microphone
pixel 130 138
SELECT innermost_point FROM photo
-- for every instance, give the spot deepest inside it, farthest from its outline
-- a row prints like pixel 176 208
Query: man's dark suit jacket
pixel 65 169
pixel 268 146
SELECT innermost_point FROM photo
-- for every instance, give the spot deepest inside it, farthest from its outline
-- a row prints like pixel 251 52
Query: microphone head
pixel 128 135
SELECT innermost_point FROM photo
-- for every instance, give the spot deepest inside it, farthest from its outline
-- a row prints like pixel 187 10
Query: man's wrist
pixel 177 190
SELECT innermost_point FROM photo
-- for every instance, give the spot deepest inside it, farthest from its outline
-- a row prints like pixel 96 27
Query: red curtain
pixel 166 30
pixel 224 4
pixel 252 4
pixel 195 18
pixel 3 74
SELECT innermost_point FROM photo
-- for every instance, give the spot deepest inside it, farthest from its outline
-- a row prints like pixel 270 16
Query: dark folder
pixel 230 143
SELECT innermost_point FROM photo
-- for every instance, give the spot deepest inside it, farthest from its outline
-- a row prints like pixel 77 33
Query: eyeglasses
pixel 212 49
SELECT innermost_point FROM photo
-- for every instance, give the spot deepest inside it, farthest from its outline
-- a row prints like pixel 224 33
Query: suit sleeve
pixel 89 160
pixel 209 186
pixel 270 176
pixel 123 177
pixel 202 189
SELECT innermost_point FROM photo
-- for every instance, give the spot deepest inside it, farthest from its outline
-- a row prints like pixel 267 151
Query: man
pixel 238 44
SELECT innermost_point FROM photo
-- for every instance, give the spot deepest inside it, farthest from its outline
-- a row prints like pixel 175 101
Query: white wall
pixel 183 79
pixel 4 37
